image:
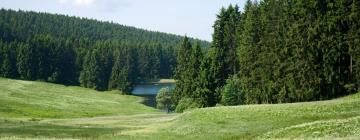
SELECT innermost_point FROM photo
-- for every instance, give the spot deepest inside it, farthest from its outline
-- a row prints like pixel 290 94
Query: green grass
pixel 43 100
pixel 36 110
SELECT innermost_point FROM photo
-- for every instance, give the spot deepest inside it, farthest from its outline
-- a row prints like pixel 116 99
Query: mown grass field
pixel 36 110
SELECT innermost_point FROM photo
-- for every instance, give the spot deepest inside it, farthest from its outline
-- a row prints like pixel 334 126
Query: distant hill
pixel 21 25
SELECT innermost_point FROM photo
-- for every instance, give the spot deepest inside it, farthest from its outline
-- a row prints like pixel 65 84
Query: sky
pixel 193 18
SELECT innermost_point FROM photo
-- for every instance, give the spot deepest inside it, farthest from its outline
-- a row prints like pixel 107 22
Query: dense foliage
pixel 77 51
pixel 232 93
pixel 164 99
pixel 280 51
pixel 189 59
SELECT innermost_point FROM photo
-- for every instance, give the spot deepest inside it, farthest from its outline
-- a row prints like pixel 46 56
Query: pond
pixel 149 91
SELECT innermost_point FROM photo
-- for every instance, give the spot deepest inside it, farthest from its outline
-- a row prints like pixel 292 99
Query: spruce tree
pixel 353 39
pixel 26 62
pixel 248 53
pixel 8 67
pixel 90 75
pixel 183 72
pixel 2 46
pixel 122 76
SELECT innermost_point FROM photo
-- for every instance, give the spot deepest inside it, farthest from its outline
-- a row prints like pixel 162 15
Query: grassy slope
pixel 43 100
pixel 284 121
pixel 39 110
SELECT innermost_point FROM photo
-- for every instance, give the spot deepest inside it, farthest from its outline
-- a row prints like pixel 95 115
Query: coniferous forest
pixel 76 51
pixel 274 51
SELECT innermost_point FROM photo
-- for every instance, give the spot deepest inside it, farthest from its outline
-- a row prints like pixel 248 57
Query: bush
pixel 231 93
pixel 350 88
pixel 186 104
pixel 164 100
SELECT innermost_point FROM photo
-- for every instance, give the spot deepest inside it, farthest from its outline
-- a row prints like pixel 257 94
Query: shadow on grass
pixel 33 129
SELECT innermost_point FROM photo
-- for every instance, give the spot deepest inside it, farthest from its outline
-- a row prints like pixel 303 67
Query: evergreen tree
pixel 26 62
pixel 42 45
pixel 122 75
pixel 89 76
pixel 182 71
pixel 232 23
pixel 218 67
pixel 2 46
pixel 248 53
pixel 205 83
pixel 8 67
pixel 353 38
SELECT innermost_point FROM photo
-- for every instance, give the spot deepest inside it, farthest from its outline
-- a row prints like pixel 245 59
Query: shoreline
pixel 158 81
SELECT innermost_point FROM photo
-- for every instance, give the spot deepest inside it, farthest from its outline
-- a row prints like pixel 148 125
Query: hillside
pixel 31 99
pixel 22 25
pixel 37 110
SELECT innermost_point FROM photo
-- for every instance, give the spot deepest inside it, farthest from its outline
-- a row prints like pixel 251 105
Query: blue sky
pixel 192 17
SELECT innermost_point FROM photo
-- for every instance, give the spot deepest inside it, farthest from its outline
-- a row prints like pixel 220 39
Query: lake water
pixel 149 91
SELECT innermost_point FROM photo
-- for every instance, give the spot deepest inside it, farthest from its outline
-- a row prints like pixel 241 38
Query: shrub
pixel 231 93
pixel 186 104
pixel 350 88
pixel 164 100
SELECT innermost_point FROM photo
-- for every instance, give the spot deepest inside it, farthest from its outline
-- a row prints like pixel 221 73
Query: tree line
pixel 274 51
pixel 101 65
pixel 77 51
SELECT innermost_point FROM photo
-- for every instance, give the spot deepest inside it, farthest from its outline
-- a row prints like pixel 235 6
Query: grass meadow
pixel 35 110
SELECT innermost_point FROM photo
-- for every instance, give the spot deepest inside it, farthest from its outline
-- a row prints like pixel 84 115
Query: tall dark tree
pixel 122 75
pixel 249 51
pixel 2 45
pixel 183 71
pixel 224 47
pixel 205 83
pixel 353 39
pixel 89 76
pixel 8 65
pixel 26 62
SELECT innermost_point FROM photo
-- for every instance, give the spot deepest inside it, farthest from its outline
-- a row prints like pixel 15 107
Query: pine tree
pixel 248 53
pixel 26 62
pixel 89 76
pixel 218 67
pixel 2 46
pixel 8 67
pixel 122 76
pixel 353 39
pixel 42 45
pixel 182 71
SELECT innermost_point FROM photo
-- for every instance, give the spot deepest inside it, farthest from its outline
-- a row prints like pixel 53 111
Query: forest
pixel 273 51
pixel 78 51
